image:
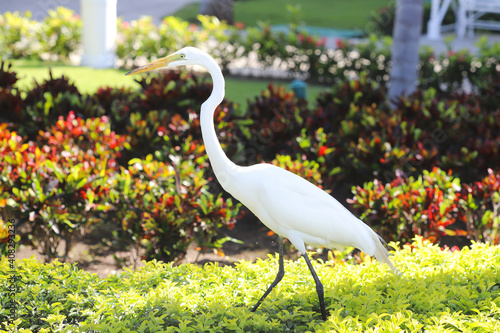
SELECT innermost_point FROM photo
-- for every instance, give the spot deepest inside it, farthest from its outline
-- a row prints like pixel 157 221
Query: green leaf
pixel 90 196
pixel 49 102
pixel 81 183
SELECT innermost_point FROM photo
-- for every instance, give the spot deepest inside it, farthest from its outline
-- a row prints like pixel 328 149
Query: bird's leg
pixel 319 287
pixel 281 273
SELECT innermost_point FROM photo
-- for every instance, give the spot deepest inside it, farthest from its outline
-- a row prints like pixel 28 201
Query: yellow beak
pixel 160 63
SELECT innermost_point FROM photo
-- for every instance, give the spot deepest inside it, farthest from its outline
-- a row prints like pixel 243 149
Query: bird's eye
pixel 183 55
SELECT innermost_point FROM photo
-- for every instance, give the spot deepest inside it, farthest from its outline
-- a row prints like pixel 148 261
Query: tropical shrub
pixel 10 99
pixel 439 291
pixel 42 106
pixel 165 117
pixel 163 207
pixel 435 205
pixel 52 184
pixel 480 203
pixel 8 77
pixel 176 92
pixel 165 107
pixel 143 126
pixel 411 206
pixel 115 103
pixel 65 182
pixel 355 136
pixel 306 169
pixel 421 132
pixel 270 123
pixel 335 102
pixel 464 134
pixel 305 52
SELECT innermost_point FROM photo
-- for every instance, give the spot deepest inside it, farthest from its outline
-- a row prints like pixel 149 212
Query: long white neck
pixel 223 167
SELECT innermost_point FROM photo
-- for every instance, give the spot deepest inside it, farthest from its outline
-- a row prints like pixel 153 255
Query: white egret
pixel 289 205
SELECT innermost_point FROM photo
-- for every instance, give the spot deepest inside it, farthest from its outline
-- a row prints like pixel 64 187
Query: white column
pixel 99 33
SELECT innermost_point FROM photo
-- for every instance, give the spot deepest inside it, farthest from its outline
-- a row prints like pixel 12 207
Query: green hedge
pixel 438 291
pixel 57 36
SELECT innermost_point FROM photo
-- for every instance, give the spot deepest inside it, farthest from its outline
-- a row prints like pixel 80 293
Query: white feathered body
pixel 300 211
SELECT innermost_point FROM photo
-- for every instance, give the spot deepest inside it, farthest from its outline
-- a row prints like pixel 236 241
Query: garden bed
pixel 134 159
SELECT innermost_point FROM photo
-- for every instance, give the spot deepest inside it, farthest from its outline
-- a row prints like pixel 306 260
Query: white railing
pixel 468 13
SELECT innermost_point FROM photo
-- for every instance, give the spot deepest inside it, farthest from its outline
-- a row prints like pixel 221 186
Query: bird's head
pixel 185 56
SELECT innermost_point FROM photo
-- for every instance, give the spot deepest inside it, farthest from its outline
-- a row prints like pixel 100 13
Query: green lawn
pixel 88 80
pixel 340 14
pixel 239 90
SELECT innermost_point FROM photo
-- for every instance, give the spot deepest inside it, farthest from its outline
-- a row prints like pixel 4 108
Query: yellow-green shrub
pixel 438 291
pixel 58 35
pixel 18 35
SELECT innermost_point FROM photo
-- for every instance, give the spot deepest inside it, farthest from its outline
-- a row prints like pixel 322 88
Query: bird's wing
pixel 295 208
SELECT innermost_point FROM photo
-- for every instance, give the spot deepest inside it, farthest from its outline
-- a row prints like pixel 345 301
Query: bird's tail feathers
pixel 382 240
pixel 382 254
